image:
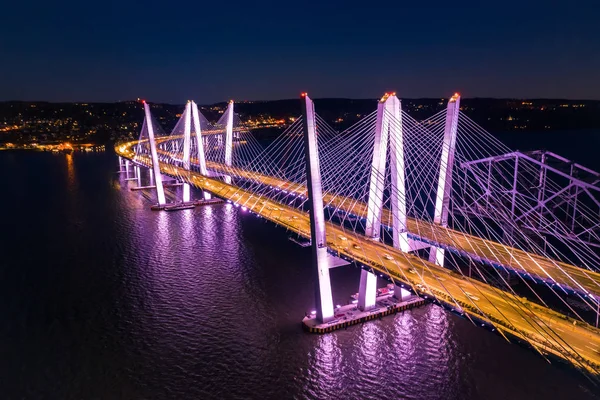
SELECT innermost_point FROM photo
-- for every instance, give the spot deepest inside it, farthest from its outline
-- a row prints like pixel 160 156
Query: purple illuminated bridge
pixel 439 207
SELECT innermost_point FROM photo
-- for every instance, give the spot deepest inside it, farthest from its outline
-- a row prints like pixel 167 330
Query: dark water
pixel 101 298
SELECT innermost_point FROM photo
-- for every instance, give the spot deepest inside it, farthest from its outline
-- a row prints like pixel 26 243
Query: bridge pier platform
pixel 350 314
pixel 185 205
pixel 133 189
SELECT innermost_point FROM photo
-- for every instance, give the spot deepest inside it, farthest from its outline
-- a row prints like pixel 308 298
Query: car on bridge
pixel 471 296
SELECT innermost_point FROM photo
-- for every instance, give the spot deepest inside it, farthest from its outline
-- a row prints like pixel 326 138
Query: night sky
pixel 212 50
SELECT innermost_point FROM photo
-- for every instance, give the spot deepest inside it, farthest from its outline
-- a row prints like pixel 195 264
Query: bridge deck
pixel 579 344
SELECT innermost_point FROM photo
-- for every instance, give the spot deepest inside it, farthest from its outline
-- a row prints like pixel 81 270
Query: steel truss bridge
pixel 440 206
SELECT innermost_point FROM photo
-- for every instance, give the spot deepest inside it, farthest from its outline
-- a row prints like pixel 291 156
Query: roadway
pixel 547 330
pixel 569 276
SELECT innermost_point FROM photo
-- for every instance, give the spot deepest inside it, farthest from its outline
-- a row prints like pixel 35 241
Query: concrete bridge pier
pixel 400 293
pixel 138 175
pixel 367 292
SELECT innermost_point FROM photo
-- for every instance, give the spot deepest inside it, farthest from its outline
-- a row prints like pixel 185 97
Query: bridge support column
pixel 229 134
pixel 200 143
pixel 155 165
pixel 401 293
pixel 398 191
pixel 320 259
pixel 388 127
pixel 377 181
pixel 229 138
pixel 187 127
pixel 138 175
pixel 367 291
pixel 444 190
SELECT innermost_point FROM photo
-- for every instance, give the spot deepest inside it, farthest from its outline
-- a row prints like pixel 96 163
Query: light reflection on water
pixel 404 347
pixel 70 169
pixel 119 301
pixel 372 353
pixel 324 369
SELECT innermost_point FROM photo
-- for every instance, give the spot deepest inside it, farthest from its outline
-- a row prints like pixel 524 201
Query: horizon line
pixel 294 99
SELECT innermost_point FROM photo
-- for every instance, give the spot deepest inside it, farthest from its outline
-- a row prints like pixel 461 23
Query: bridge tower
pixel 229 139
pixel 229 134
pixel 199 144
pixel 388 129
pixel 320 259
pixel 444 189
pixel 155 165
pixel 187 127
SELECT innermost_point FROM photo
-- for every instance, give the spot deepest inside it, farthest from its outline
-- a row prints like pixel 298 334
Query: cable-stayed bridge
pixel 439 206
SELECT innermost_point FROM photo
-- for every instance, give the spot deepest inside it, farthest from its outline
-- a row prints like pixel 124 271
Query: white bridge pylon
pixel 199 144
pixel 444 189
pixel 187 148
pixel 320 259
pixel 160 191
pixel 199 141
pixel 229 134
pixel 228 139
pixel 191 118
pixel 388 129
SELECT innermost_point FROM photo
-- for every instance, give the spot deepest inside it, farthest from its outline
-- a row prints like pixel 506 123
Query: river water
pixel 101 298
